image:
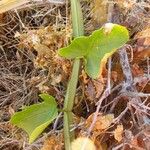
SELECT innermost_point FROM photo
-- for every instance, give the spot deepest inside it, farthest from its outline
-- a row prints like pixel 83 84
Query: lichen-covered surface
pixel 29 65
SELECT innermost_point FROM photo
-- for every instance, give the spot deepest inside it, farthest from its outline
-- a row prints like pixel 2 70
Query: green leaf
pixel 35 118
pixel 96 48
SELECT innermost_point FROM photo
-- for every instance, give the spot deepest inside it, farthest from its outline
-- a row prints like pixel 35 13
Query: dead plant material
pixel 118 133
pixel 45 42
pixel 83 143
pixel 142 45
pixel 99 12
pixel 20 80
pixel 54 142
pixel 102 123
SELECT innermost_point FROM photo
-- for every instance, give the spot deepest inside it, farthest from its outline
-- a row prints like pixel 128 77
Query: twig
pixel 109 19
pixel 117 119
pixel 118 146
pixel 148 66
pixel 126 68
pixel 109 76
pixel 105 95
pixel 56 121
pixel 128 85
pixel 22 24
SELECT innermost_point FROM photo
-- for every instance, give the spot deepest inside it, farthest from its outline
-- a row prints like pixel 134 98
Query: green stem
pixel 71 88
pixel 78 30
pixel 77 18
pixel 68 136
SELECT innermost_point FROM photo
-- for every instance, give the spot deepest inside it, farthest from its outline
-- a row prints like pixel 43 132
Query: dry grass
pixel 20 80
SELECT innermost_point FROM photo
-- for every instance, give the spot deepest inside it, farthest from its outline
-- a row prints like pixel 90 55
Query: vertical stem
pixel 78 30
pixel 77 18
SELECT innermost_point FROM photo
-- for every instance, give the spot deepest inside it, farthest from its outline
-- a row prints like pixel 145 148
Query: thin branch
pixel 128 85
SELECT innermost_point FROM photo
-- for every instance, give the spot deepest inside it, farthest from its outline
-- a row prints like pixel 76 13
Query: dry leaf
pixel 83 143
pixel 45 41
pixel 128 4
pixel 53 143
pixel 99 87
pixel 99 12
pixel 142 47
pixel 137 70
pixel 84 77
pixel 102 122
pixel 143 34
pixel 114 76
pixel 90 91
pixel 56 79
pixel 118 133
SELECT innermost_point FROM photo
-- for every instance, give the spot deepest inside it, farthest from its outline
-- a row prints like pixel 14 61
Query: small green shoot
pixel 35 118
pixel 96 48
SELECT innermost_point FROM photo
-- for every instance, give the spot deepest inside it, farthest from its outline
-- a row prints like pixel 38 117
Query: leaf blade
pixel 100 45
pixel 75 49
pixel 35 118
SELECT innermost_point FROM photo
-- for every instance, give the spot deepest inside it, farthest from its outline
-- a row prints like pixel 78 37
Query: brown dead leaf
pixel 100 146
pixel 136 70
pixel 45 41
pixel 42 50
pixel 102 122
pixel 90 91
pixel 84 77
pixel 83 143
pixel 44 53
pixel 142 47
pixel 114 76
pixel 118 133
pixel 56 79
pixel 142 53
pixel 139 142
pixel 99 87
pixel 99 12
pixel 53 143
pixel 143 34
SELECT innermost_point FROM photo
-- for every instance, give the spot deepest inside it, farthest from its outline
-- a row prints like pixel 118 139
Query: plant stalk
pixel 78 30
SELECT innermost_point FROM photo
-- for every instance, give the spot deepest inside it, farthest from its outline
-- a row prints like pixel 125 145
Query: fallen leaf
pixel 102 122
pixel 56 79
pixel 54 142
pixel 137 70
pixel 98 7
pixel 118 133
pixel 90 91
pixel 143 34
pixel 83 143
pixel 142 46
pixel 99 87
